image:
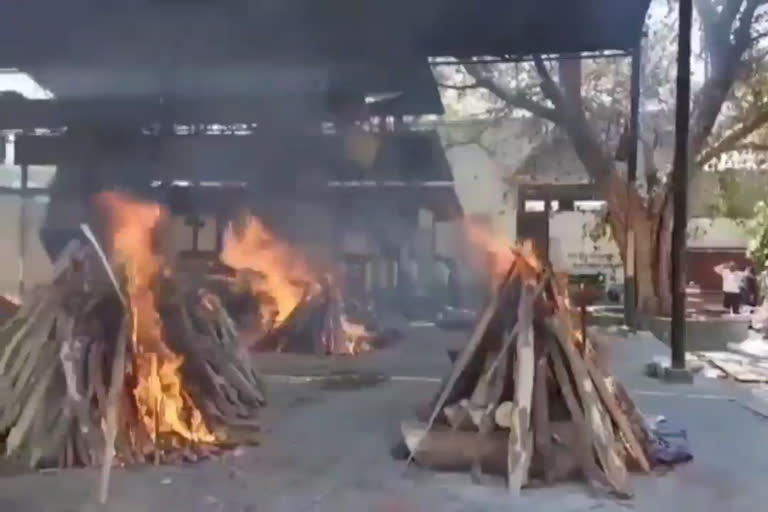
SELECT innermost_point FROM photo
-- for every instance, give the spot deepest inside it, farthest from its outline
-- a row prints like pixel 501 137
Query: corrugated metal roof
pixel 290 48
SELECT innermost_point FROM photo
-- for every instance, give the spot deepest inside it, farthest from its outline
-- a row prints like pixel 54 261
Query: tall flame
pixel 503 252
pixel 285 274
pixel 160 398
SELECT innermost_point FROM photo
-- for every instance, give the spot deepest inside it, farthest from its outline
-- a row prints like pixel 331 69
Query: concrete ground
pixel 326 448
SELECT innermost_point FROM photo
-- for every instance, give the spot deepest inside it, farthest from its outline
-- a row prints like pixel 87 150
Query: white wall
pixel 481 189
pixel 717 233
pixel 484 158
pixel 37 266
pixel 572 250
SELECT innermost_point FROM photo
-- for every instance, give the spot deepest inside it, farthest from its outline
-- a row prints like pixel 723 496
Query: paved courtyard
pixel 326 448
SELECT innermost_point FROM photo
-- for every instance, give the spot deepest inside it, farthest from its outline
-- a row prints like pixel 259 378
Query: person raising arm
pixel 732 279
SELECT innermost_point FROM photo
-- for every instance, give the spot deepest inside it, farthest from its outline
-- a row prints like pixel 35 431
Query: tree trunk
pixel 652 226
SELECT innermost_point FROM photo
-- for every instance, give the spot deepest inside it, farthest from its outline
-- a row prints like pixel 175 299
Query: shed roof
pixel 208 49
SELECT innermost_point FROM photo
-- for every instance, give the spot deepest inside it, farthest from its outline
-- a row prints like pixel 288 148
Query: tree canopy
pixel 730 52
pixel 589 102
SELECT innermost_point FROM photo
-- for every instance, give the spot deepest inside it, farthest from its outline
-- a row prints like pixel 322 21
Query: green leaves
pixel 758 230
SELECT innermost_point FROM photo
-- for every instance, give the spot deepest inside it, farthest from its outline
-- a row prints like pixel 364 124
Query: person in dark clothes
pixel 750 288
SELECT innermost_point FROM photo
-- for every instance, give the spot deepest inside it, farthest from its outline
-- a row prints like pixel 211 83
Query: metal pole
pixel 23 227
pixel 630 285
pixel 680 185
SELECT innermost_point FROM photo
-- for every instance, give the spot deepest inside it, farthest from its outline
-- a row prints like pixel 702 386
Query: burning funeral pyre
pixel 119 360
pixel 526 397
pixel 280 302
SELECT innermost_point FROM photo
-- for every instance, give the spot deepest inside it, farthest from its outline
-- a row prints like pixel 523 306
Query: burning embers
pixel 136 365
pixel 298 308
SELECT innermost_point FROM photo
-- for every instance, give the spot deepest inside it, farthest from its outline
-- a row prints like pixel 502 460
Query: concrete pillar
pixel 424 252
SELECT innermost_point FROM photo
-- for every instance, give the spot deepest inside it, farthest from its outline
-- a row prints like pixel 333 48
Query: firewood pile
pixel 73 358
pixel 118 362
pixel 317 324
pixel 526 398
pixel 281 302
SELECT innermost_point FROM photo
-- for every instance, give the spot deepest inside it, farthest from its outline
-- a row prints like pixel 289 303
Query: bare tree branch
pixel 742 35
pixel 726 55
pixel 548 85
pixel 730 141
pixel 513 98
pixel 465 87
pixel 751 146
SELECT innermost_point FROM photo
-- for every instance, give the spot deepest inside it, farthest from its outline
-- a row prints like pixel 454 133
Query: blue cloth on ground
pixel 669 445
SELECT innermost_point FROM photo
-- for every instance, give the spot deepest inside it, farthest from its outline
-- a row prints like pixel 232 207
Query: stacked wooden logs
pixel 526 398
pixel 317 325
pixel 69 374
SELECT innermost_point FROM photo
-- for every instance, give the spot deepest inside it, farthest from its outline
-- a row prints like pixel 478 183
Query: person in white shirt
pixel 732 283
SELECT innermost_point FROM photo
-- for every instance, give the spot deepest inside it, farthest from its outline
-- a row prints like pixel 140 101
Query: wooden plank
pixel 458 416
pixel 520 443
pixel 738 367
pixel 468 352
pixel 31 406
pixel 111 419
pixel 485 423
pixel 542 434
pixel 512 334
pixel 622 422
pixel 582 444
pixel 603 436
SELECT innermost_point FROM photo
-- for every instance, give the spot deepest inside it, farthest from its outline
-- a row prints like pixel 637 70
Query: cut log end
pixel 515 428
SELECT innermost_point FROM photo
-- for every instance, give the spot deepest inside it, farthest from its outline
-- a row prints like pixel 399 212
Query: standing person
pixel 750 287
pixel 732 279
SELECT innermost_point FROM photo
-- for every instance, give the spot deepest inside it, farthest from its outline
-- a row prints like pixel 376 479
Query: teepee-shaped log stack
pixel 527 399
pixel 74 375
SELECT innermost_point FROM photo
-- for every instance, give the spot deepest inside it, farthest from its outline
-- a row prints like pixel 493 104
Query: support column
pixel 680 191
pixel 630 285
pixel 23 227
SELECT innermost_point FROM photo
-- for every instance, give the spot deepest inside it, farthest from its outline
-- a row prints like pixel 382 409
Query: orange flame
pixel 285 272
pixel 163 405
pixel 504 253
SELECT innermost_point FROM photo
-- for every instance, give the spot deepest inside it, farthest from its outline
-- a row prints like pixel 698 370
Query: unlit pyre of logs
pixel 75 375
pixel 527 399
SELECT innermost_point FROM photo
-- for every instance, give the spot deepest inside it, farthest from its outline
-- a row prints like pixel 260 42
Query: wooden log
pixel 635 418
pixel 633 446
pixel 459 417
pixel 503 414
pixel 29 379
pixel 598 422
pixel 511 335
pixel 603 435
pixel 54 442
pixel 444 449
pixel 74 363
pixel 484 420
pixel 43 307
pixel 31 406
pixel 520 442
pixel 468 352
pixel 111 420
pixel 582 441
pixel 542 435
